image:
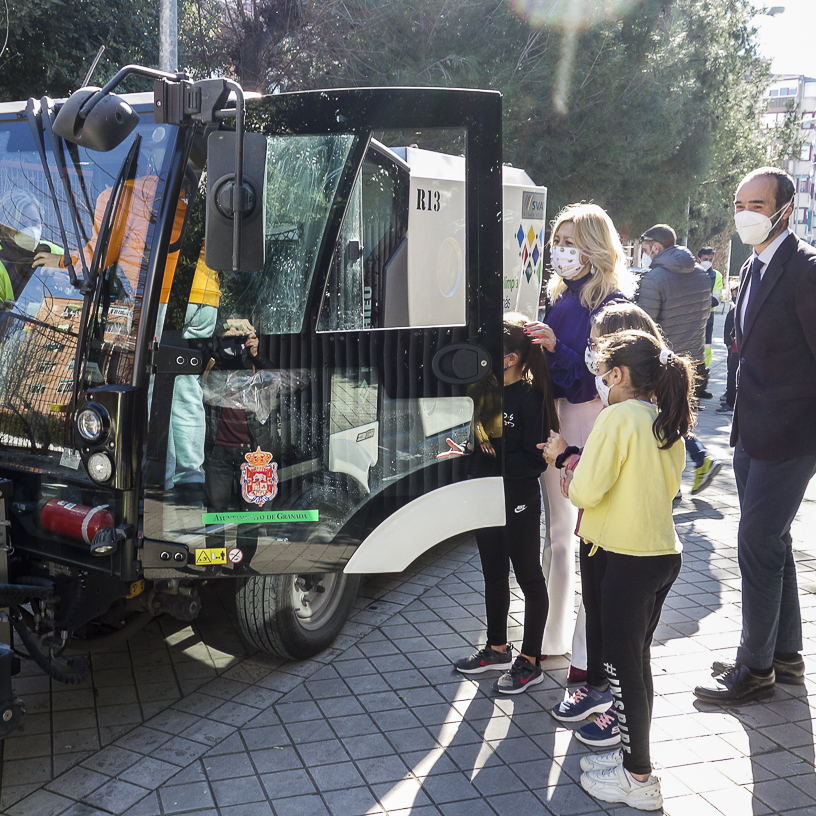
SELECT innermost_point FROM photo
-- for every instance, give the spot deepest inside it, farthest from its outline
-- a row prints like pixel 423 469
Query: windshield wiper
pixel 90 307
pixel 39 116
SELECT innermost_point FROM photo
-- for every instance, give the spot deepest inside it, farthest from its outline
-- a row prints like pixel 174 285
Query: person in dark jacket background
pixel 676 294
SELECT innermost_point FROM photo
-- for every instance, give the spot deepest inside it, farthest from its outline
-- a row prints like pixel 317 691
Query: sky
pixel 788 38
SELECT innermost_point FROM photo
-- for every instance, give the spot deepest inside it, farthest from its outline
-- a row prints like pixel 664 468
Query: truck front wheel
pixel 295 616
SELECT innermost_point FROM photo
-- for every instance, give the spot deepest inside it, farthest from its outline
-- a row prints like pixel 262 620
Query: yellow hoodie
pixel 625 484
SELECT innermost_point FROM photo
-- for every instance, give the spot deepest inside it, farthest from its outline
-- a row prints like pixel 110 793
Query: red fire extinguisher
pixel 74 520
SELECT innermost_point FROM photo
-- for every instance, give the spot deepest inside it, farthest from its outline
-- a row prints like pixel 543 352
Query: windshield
pixel 41 313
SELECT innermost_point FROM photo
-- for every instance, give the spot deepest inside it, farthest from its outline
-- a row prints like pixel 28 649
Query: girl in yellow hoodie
pixel 627 476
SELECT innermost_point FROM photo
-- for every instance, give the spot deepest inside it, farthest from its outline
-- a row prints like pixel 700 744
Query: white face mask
pixel 567 261
pixel 591 360
pixel 754 227
pixel 645 260
pixel 602 388
pixel 29 239
pixel 706 265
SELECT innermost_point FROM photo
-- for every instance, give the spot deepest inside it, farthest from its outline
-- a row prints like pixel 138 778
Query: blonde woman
pixel 590 272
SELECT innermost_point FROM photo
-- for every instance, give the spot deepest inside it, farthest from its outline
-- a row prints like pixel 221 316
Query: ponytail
pixel 535 368
pixel 655 372
pixel 674 397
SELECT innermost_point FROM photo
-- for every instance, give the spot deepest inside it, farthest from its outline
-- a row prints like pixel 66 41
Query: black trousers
pixel 632 590
pixel 519 543
pixel 592 568
pixel 770 492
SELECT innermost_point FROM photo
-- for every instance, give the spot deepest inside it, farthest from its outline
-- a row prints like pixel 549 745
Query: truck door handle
pixel 461 364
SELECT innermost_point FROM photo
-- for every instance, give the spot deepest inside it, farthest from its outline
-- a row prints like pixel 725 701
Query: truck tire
pixel 294 616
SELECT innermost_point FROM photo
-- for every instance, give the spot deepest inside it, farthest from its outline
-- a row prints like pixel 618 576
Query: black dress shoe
pixel 738 684
pixel 787 670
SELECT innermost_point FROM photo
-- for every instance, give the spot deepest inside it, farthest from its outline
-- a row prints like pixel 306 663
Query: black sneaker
pixel 521 676
pixel 484 660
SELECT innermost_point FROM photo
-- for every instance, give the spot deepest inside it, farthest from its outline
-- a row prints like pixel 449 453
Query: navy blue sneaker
pixel 603 731
pixel 581 703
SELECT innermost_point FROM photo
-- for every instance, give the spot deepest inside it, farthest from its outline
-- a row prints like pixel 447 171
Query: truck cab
pixel 183 399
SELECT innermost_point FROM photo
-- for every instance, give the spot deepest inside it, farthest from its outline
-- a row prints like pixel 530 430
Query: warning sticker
pixel 261 517
pixel 236 556
pixel 216 555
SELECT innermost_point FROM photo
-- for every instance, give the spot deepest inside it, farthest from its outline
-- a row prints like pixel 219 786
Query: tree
pixel 647 107
pixel 52 43
pixel 266 45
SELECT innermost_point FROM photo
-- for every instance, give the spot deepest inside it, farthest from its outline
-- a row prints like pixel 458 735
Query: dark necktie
pixel 753 285
pixel 756 268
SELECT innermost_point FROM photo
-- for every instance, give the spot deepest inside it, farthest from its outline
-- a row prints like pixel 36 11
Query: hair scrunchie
pixel 665 355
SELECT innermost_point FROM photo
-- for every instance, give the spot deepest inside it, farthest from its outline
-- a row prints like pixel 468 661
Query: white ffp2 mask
pixel 755 227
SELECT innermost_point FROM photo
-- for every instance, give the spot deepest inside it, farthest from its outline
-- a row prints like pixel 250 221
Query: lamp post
pixel 168 35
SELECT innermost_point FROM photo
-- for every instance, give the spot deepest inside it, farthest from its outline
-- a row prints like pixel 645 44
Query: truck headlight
pixel 100 467
pixel 91 423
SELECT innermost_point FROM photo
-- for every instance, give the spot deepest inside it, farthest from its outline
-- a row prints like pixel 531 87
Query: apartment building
pixel 788 92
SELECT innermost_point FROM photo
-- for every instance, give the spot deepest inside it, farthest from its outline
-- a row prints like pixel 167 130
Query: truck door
pixel 333 376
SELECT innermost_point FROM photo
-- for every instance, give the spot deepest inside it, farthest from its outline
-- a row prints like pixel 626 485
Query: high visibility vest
pixel 6 292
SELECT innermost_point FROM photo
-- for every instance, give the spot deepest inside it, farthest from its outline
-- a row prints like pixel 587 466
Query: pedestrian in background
pixel 732 355
pixel 676 294
pixel 705 258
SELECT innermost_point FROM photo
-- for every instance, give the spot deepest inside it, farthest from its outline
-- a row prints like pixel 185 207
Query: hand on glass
pixel 541 334
pixel 453 451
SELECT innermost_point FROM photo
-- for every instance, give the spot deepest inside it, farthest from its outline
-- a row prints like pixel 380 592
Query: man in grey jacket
pixel 676 294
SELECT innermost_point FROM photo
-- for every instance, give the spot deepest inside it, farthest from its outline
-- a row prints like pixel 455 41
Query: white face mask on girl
pixel 567 261
pixel 591 360
pixel 602 388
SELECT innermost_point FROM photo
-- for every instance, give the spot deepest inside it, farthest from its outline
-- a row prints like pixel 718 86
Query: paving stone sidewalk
pixel 182 720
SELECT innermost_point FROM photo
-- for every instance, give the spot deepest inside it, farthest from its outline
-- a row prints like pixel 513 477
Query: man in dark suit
pixel 774 435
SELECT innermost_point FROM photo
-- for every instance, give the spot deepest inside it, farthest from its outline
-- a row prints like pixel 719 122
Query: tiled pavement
pixel 182 720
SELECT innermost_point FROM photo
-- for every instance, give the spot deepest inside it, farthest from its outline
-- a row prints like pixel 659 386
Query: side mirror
pixel 108 123
pixel 224 199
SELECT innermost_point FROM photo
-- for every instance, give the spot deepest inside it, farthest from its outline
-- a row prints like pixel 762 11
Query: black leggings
pixel 519 542
pixel 592 567
pixel 631 590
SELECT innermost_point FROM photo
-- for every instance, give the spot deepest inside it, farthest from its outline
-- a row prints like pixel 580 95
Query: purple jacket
pixel 570 320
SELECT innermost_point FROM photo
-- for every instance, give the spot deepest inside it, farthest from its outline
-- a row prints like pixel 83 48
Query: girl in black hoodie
pixel 528 414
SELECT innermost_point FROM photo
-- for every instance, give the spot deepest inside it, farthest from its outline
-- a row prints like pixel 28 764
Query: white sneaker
pixel 597 762
pixel 616 784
